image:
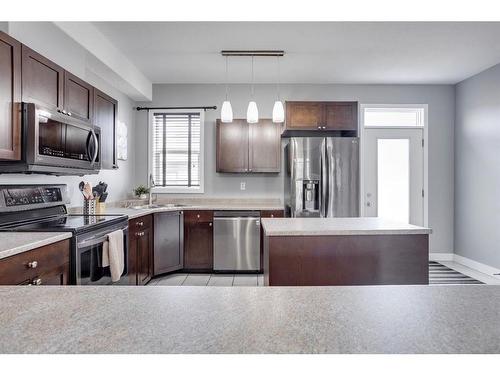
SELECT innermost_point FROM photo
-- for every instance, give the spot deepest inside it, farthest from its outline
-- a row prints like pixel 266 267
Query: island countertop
pixel 338 226
pixel 160 319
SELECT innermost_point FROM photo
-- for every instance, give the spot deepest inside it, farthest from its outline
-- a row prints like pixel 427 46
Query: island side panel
pixel 346 260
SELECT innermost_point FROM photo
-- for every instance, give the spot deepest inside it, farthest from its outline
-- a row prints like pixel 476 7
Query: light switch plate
pixel 243 185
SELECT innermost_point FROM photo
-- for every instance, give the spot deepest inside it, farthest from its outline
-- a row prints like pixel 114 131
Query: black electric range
pixel 42 208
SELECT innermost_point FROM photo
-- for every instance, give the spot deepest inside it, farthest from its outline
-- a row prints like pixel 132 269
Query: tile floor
pixel 207 279
pixel 198 279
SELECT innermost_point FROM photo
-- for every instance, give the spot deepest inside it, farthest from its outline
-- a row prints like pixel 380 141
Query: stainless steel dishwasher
pixel 236 240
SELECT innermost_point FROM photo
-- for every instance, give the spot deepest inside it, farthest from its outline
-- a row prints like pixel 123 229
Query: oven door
pixel 56 139
pixel 87 264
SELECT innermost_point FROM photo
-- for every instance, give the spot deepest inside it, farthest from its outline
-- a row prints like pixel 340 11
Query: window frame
pixel 362 108
pixel 178 189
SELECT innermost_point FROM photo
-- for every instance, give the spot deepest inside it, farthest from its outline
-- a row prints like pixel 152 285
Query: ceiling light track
pixel 253 53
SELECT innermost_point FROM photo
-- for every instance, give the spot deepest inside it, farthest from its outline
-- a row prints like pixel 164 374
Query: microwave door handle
pixel 96 150
pixel 87 146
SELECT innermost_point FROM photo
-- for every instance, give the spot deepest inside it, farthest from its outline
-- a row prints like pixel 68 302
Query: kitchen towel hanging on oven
pixel 113 255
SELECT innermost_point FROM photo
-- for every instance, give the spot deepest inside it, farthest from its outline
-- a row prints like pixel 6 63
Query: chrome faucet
pixel 151 186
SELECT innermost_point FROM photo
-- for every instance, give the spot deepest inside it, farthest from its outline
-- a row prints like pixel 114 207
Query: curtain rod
pixel 153 108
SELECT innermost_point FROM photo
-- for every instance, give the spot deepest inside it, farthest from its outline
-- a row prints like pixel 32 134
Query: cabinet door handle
pixel 139 223
pixel 36 282
pixel 209 224
pixel 33 264
pixel 198 216
pixel 139 234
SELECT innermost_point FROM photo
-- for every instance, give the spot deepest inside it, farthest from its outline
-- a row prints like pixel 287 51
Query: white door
pixel 393 174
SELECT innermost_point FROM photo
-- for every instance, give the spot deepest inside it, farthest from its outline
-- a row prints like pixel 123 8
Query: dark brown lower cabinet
pixel 140 250
pixel 198 240
pixel 46 265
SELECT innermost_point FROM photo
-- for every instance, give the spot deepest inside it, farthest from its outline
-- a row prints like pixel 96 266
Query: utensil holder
pixel 100 208
pixel 89 206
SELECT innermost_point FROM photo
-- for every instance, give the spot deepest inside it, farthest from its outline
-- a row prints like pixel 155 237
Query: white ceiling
pixel 316 52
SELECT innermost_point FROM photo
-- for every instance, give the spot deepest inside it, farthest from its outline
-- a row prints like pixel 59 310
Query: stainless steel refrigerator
pixel 322 177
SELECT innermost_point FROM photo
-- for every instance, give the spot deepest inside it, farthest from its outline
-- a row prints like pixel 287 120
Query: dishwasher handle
pixel 234 219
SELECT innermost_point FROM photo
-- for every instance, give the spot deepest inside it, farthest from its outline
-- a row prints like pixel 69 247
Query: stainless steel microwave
pixel 55 143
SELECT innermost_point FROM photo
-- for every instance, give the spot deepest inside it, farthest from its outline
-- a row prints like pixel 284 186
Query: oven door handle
pixel 100 237
pixel 93 241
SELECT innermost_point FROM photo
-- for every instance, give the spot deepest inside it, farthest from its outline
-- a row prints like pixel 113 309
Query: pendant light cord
pixel 278 81
pixel 252 79
pixel 226 77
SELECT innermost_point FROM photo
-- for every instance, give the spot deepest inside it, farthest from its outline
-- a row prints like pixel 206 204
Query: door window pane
pixel 393 180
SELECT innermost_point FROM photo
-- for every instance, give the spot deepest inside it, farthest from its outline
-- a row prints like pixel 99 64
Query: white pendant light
pixel 252 111
pixel 278 111
pixel 226 113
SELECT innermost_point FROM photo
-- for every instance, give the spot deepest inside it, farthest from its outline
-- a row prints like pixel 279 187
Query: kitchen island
pixel 374 319
pixel 344 251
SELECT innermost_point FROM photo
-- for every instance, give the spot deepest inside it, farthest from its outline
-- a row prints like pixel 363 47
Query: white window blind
pixel 176 149
pixel 393 117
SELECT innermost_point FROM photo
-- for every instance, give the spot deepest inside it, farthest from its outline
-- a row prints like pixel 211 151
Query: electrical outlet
pixel 243 185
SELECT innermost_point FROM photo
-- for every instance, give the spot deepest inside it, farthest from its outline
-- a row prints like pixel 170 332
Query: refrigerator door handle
pixel 324 181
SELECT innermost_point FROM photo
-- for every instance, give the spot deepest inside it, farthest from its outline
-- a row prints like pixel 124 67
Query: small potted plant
pixel 141 192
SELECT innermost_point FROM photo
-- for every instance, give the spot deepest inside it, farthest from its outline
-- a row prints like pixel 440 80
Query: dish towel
pixel 113 254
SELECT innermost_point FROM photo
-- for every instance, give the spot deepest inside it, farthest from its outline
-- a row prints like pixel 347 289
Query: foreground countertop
pixel 382 319
pixel 337 226
pixel 12 243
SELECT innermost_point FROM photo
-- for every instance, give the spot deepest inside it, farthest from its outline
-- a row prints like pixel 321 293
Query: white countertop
pixel 12 243
pixel 133 213
pixel 337 226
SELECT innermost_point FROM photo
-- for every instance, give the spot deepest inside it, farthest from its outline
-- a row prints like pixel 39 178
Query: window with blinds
pixel 176 145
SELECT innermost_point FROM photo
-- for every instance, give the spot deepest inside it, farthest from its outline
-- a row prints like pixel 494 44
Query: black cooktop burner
pixel 66 223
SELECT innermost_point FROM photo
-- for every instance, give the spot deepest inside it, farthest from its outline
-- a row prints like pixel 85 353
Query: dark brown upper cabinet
pixel 341 115
pixel 248 148
pixel 304 115
pixel 10 98
pixel 78 98
pixel 43 80
pixel 47 84
pixel 322 116
pixel 264 149
pixel 232 146
pixel 105 115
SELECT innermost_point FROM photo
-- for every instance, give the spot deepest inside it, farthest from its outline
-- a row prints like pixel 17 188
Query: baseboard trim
pixel 481 267
pixel 445 257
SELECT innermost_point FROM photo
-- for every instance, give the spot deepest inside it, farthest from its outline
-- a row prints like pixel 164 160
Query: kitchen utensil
pixel 81 185
pixel 87 190
pixel 103 197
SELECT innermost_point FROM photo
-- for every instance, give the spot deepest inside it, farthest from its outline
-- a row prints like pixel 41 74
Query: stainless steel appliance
pixel 169 242
pixel 55 143
pixel 237 241
pixel 322 177
pixel 41 208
